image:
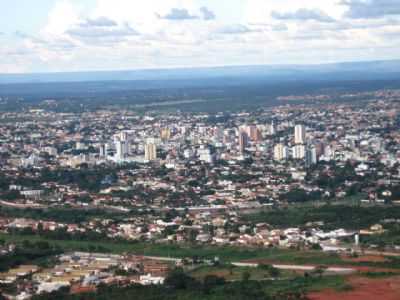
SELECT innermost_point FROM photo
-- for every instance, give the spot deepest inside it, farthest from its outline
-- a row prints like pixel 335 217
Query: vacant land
pixel 364 289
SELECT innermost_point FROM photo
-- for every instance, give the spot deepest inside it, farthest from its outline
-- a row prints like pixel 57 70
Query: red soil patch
pixel 364 289
pixel 364 269
pixel 364 258
pixel 78 289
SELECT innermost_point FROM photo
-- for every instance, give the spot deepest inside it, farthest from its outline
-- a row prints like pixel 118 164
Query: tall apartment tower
pixel 311 156
pixel 299 151
pixel 299 134
pixel 121 149
pixel 254 133
pixel 243 138
pixel 165 134
pixel 123 136
pixel 272 128
pixel 103 150
pixel 150 151
pixel 280 152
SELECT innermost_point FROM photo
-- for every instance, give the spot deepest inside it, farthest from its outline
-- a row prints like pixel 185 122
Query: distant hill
pixel 371 70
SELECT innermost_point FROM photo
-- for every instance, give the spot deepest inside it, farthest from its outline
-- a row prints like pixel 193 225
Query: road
pixel 304 268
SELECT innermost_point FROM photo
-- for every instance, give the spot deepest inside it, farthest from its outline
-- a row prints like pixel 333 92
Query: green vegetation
pixel 28 252
pixel 225 254
pixel 390 237
pixel 64 215
pixel 300 195
pixel 233 273
pixel 333 216
pixel 180 251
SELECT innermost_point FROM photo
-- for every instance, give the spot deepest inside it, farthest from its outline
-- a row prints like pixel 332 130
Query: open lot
pixel 364 289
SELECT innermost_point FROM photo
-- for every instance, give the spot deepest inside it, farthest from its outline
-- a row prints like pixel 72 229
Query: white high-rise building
pixel 150 151
pixel 205 154
pixel 280 152
pixel 122 145
pixel 121 150
pixel 299 134
pixel 328 153
pixel 272 128
pixel 299 151
pixel 123 136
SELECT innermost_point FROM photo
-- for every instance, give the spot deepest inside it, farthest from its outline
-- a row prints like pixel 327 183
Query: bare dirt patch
pixel 364 258
pixel 364 289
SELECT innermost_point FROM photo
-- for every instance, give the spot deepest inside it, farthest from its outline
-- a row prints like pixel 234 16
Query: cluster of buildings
pixel 84 272
pixel 188 159
pixel 217 227
pixel 233 160
pixel 299 151
pixel 183 160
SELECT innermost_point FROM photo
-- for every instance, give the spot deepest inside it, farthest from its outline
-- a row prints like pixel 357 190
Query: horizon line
pixel 181 68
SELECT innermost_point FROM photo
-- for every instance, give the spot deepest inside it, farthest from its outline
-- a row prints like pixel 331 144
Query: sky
pixel 82 35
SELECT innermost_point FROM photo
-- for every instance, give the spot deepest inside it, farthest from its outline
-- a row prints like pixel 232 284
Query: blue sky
pixel 73 35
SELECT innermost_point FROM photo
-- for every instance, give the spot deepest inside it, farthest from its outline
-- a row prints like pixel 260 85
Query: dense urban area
pixel 275 202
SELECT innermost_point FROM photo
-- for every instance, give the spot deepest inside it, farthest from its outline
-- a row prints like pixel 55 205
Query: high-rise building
pixel 123 136
pixel 219 134
pixel 254 133
pixel 122 145
pixel 319 148
pixel 329 152
pixel 165 134
pixel 299 151
pixel 121 149
pixel 299 134
pixel 243 138
pixel 150 151
pixel 102 150
pixel 228 136
pixel 272 128
pixel 205 154
pixel 280 152
pixel 311 156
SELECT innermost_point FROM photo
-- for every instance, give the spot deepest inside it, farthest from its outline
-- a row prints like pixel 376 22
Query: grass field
pixel 180 251
pixel 231 273
pixel 225 254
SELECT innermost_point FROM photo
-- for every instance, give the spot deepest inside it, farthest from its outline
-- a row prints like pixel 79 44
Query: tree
pixel 177 279
pixel 320 270
pixel 246 276
pixel 272 271
pixel 211 281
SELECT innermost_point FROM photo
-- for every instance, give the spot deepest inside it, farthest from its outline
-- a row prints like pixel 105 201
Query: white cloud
pixel 372 8
pixel 99 22
pixel 178 14
pixel 124 34
pixel 303 14
pixel 64 15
